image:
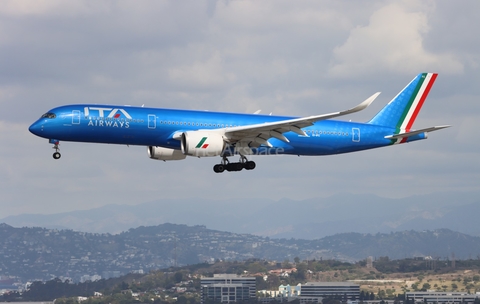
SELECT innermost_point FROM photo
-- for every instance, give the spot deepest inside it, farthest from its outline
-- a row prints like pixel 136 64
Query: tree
pixel 469 287
pixel 182 300
pixel 362 296
pixel 273 281
pixel 261 283
pixel 178 277
pixel 256 267
pixel 301 271
pixel 426 287
pixel 381 294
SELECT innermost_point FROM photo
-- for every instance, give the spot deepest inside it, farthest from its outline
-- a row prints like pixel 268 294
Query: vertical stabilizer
pixel 400 113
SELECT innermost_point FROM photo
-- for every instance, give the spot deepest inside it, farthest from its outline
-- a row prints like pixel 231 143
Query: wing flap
pixel 295 125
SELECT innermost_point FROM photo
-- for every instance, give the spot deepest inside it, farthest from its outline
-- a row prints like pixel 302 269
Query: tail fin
pixel 400 113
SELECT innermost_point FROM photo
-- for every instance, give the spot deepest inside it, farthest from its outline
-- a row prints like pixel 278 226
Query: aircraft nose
pixel 36 128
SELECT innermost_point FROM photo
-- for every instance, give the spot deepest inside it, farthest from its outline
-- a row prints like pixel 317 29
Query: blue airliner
pixel 171 134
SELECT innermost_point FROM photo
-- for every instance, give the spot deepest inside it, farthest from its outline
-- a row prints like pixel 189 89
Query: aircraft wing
pixel 258 134
pixel 416 132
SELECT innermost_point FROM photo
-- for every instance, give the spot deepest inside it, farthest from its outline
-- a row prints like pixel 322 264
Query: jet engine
pixel 164 153
pixel 202 143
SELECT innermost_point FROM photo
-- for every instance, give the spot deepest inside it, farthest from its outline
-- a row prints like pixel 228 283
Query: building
pixel 289 291
pixel 228 288
pixel 440 297
pixel 314 292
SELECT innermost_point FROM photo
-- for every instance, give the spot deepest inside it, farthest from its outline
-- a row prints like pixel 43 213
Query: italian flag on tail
pixel 415 103
pixel 400 113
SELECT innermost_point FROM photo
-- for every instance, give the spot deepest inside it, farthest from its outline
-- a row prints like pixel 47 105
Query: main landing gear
pixel 226 165
pixel 57 154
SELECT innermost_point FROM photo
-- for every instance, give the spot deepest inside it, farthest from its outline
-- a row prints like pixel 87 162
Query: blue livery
pixel 172 134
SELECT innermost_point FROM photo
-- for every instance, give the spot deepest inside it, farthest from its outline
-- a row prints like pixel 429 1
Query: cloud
pixel 237 56
pixel 41 7
pixel 393 41
pixel 205 74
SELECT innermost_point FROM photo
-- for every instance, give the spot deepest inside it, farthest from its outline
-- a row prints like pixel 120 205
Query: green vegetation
pixel 388 279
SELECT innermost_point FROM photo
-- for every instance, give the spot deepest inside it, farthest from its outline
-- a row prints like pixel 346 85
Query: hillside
pixel 39 253
pixel 165 285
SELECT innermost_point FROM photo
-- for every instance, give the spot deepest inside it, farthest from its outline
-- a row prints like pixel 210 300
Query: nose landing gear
pixel 56 143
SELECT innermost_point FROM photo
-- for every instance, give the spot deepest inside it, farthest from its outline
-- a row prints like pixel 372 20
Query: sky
pixel 287 57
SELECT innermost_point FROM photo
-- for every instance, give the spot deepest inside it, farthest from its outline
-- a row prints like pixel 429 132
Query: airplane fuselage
pixel 126 125
pixel 172 134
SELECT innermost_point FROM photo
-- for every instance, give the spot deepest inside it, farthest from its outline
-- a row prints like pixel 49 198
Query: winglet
pixel 364 104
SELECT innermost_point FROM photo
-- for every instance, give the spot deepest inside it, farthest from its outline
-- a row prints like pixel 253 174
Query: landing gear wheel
pixel 234 167
pixel 250 165
pixel 237 166
pixel 57 155
pixel 219 168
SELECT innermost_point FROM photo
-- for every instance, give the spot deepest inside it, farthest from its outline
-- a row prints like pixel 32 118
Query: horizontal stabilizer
pixel 416 132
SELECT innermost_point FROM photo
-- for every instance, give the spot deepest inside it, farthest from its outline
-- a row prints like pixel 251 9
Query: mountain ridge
pixel 40 253
pixel 285 218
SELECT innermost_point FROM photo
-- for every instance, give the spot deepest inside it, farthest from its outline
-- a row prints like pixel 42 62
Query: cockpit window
pixel 49 115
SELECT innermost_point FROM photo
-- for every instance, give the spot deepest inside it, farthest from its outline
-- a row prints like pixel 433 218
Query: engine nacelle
pixel 202 143
pixel 165 153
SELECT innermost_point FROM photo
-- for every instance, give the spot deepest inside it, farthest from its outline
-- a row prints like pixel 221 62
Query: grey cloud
pixel 221 55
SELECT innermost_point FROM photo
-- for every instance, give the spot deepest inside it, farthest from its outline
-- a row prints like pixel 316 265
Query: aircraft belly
pixel 338 142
